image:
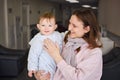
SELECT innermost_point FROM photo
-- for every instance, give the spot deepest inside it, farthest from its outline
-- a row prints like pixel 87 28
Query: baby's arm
pixel 34 53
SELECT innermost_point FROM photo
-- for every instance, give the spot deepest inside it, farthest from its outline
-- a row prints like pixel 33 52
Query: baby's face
pixel 47 26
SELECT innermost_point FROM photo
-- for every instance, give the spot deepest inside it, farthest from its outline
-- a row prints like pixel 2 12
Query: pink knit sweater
pixel 88 65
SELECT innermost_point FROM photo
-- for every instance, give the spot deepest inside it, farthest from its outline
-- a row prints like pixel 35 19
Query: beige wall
pixel 42 6
pixel 11 33
pixel 2 23
pixel 35 7
pixel 109 15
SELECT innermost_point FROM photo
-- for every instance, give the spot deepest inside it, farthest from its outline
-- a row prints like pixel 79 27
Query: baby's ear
pixel 38 26
pixel 56 26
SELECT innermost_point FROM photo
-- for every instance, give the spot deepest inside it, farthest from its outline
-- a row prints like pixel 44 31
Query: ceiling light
pixel 73 1
pixel 86 6
pixel 94 7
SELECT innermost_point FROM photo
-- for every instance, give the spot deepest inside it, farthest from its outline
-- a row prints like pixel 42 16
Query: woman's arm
pixel 89 68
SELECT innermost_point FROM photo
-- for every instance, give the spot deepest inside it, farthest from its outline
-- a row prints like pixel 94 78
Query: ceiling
pixel 93 3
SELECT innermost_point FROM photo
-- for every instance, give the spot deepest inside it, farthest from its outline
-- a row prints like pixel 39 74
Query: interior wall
pixel 2 23
pixel 38 7
pixel 109 11
pixel 14 13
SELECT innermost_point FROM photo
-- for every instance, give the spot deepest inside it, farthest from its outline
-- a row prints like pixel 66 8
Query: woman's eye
pixel 74 26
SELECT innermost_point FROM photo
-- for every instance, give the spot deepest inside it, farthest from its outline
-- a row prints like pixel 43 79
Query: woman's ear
pixel 87 29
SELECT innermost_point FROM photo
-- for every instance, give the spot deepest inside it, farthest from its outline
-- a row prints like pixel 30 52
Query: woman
pixel 81 57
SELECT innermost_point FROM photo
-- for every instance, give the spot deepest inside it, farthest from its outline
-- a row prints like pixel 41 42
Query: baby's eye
pixel 42 25
pixel 50 25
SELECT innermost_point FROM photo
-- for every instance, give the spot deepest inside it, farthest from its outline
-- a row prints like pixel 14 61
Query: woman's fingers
pixel 49 45
pixel 57 45
pixel 52 49
pixel 45 76
pixel 42 75
pixel 39 74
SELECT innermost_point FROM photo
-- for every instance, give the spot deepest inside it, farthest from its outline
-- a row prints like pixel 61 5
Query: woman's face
pixel 76 27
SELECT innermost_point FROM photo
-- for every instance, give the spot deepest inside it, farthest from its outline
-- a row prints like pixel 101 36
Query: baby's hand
pixel 30 73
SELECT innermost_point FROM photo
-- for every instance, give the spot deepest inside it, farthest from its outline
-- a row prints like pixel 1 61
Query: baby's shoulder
pixel 57 34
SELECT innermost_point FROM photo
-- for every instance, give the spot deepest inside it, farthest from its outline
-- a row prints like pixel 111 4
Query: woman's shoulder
pixel 86 46
pixel 88 51
pixel 96 50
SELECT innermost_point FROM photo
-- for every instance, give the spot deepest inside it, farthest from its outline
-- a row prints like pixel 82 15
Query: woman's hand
pixel 53 49
pixel 42 75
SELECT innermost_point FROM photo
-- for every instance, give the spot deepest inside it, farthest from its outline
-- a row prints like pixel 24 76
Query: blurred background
pixel 18 18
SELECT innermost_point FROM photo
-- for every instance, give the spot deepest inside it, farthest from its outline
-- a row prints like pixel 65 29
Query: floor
pixel 22 76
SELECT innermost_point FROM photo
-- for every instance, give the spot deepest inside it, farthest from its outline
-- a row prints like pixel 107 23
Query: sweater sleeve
pixel 34 53
pixel 90 68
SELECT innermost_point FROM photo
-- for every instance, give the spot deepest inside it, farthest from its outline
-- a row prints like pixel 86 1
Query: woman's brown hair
pixel 89 19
